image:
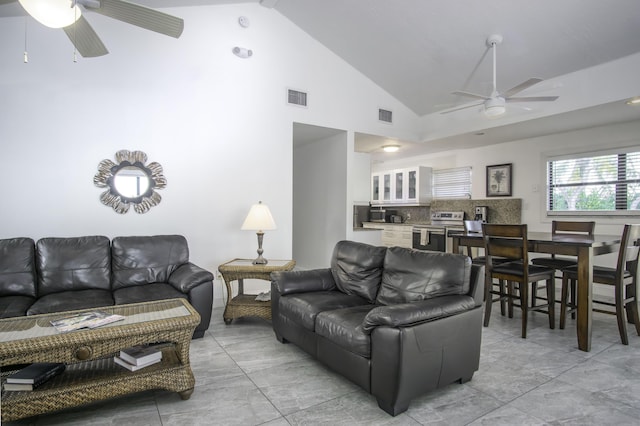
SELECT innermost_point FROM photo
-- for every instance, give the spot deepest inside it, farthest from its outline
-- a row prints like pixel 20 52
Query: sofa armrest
pixel 288 282
pixel 188 276
pixel 406 314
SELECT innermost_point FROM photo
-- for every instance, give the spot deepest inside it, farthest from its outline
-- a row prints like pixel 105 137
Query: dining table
pixel 581 246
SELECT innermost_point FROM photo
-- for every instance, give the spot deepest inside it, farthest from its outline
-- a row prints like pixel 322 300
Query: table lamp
pixel 259 219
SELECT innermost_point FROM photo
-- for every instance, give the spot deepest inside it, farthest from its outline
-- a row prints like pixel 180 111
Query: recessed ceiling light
pixel 634 101
pixel 391 148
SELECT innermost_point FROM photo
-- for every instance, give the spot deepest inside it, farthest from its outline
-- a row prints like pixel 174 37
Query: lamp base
pixel 260 260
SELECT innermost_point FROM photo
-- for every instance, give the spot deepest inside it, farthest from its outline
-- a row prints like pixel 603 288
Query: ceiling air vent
pixel 385 115
pixel 296 97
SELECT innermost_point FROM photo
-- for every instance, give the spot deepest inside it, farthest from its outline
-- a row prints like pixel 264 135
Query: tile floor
pixel 246 377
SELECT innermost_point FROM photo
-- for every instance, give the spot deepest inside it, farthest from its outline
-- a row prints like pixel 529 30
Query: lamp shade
pixel 52 13
pixel 259 219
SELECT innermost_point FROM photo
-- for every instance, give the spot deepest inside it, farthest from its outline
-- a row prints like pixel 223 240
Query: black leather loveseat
pixel 395 321
pixel 63 274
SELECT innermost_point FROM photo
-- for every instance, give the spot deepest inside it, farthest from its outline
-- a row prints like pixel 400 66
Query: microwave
pixel 381 215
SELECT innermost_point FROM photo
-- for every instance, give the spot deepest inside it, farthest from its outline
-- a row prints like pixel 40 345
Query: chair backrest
pixel 473 226
pixel 508 241
pixel 565 227
pixel 629 253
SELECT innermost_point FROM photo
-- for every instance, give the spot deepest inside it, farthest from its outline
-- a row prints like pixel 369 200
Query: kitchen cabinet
pixel 393 234
pixel 408 186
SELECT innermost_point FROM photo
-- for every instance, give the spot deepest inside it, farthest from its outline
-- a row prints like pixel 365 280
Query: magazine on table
pixel 85 320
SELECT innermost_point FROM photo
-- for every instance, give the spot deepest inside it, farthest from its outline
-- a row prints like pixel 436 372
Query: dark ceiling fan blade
pixel 459 108
pixel 533 99
pixel 140 16
pixel 6 1
pixel 470 95
pixel 520 87
pixel 85 39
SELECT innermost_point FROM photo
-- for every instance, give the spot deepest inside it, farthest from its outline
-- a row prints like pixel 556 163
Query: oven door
pixel 429 238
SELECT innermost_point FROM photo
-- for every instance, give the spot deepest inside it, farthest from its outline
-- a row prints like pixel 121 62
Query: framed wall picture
pixel 499 180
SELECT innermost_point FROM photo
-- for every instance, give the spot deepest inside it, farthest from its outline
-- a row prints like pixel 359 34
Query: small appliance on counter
pixel 396 218
pixel 381 215
pixel 482 214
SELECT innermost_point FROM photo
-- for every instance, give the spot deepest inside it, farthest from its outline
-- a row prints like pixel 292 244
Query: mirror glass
pixel 130 182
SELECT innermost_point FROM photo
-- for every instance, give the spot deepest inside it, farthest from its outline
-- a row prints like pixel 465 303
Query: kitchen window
pixel 605 182
pixel 452 183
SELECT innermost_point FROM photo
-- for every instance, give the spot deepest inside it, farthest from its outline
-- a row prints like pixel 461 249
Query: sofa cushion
pixel 135 294
pixel 71 300
pixel 15 306
pixel 344 328
pixel 411 275
pixel 357 268
pixel 147 260
pixel 73 264
pixel 17 267
pixel 302 308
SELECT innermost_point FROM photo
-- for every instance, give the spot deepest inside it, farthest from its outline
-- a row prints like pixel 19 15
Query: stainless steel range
pixel 433 237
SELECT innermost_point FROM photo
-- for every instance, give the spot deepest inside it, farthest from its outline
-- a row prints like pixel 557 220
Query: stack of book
pixel 32 376
pixel 137 357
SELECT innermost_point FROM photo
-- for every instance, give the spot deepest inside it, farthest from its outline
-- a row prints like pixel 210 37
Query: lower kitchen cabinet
pixel 393 234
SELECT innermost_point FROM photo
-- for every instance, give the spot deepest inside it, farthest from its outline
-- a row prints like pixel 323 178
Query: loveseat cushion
pixel 412 275
pixel 77 263
pixel 71 300
pixel 407 314
pixel 137 293
pixel 17 267
pixel 303 308
pixel 147 260
pixel 357 268
pixel 15 306
pixel 344 328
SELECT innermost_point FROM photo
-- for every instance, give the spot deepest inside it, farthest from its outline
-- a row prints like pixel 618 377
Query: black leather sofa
pixel 63 274
pixel 397 322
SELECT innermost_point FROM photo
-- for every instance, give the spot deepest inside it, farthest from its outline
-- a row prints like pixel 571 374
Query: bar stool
pixel 510 242
pixel 624 279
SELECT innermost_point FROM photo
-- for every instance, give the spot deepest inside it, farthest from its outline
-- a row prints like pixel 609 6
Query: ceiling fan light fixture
pixel 494 107
pixel 391 148
pixel 52 13
pixel 634 101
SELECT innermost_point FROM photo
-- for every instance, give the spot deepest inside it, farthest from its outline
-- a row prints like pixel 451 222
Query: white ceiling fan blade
pixel 137 15
pixel 470 95
pixel 85 39
pixel 460 108
pixel 522 86
pixel 533 99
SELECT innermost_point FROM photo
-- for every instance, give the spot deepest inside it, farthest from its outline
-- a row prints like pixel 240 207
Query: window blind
pixel 452 183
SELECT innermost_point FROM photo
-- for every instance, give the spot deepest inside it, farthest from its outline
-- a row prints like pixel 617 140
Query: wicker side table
pixel 246 304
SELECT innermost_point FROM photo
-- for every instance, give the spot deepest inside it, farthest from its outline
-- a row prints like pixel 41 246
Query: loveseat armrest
pixel 406 314
pixel 289 282
pixel 188 276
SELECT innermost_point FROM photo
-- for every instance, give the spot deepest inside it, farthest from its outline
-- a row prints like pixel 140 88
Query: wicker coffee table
pixel 91 375
pixel 246 304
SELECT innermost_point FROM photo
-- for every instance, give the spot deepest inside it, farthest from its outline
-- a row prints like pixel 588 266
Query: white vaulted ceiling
pixel 420 51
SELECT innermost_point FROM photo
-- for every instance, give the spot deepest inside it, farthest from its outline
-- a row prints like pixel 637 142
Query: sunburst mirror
pixel 130 181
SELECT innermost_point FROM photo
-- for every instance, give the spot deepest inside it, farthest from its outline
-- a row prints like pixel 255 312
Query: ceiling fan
pixel 67 14
pixel 494 104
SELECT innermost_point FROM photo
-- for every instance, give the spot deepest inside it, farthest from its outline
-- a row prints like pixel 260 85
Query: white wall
pixel 319 200
pixel 218 124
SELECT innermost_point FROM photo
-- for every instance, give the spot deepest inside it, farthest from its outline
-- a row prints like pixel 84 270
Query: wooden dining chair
pixel 558 263
pixel 624 279
pixel 510 242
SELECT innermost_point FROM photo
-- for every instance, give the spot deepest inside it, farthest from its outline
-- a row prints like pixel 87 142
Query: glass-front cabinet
pixel 408 186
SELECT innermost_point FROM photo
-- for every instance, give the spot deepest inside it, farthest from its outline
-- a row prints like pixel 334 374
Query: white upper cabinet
pixel 409 186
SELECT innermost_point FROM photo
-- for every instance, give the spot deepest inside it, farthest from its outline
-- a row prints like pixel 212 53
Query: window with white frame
pixel 452 183
pixel 603 182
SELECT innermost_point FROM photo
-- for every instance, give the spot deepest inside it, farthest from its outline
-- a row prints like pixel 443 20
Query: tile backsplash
pixel 503 210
